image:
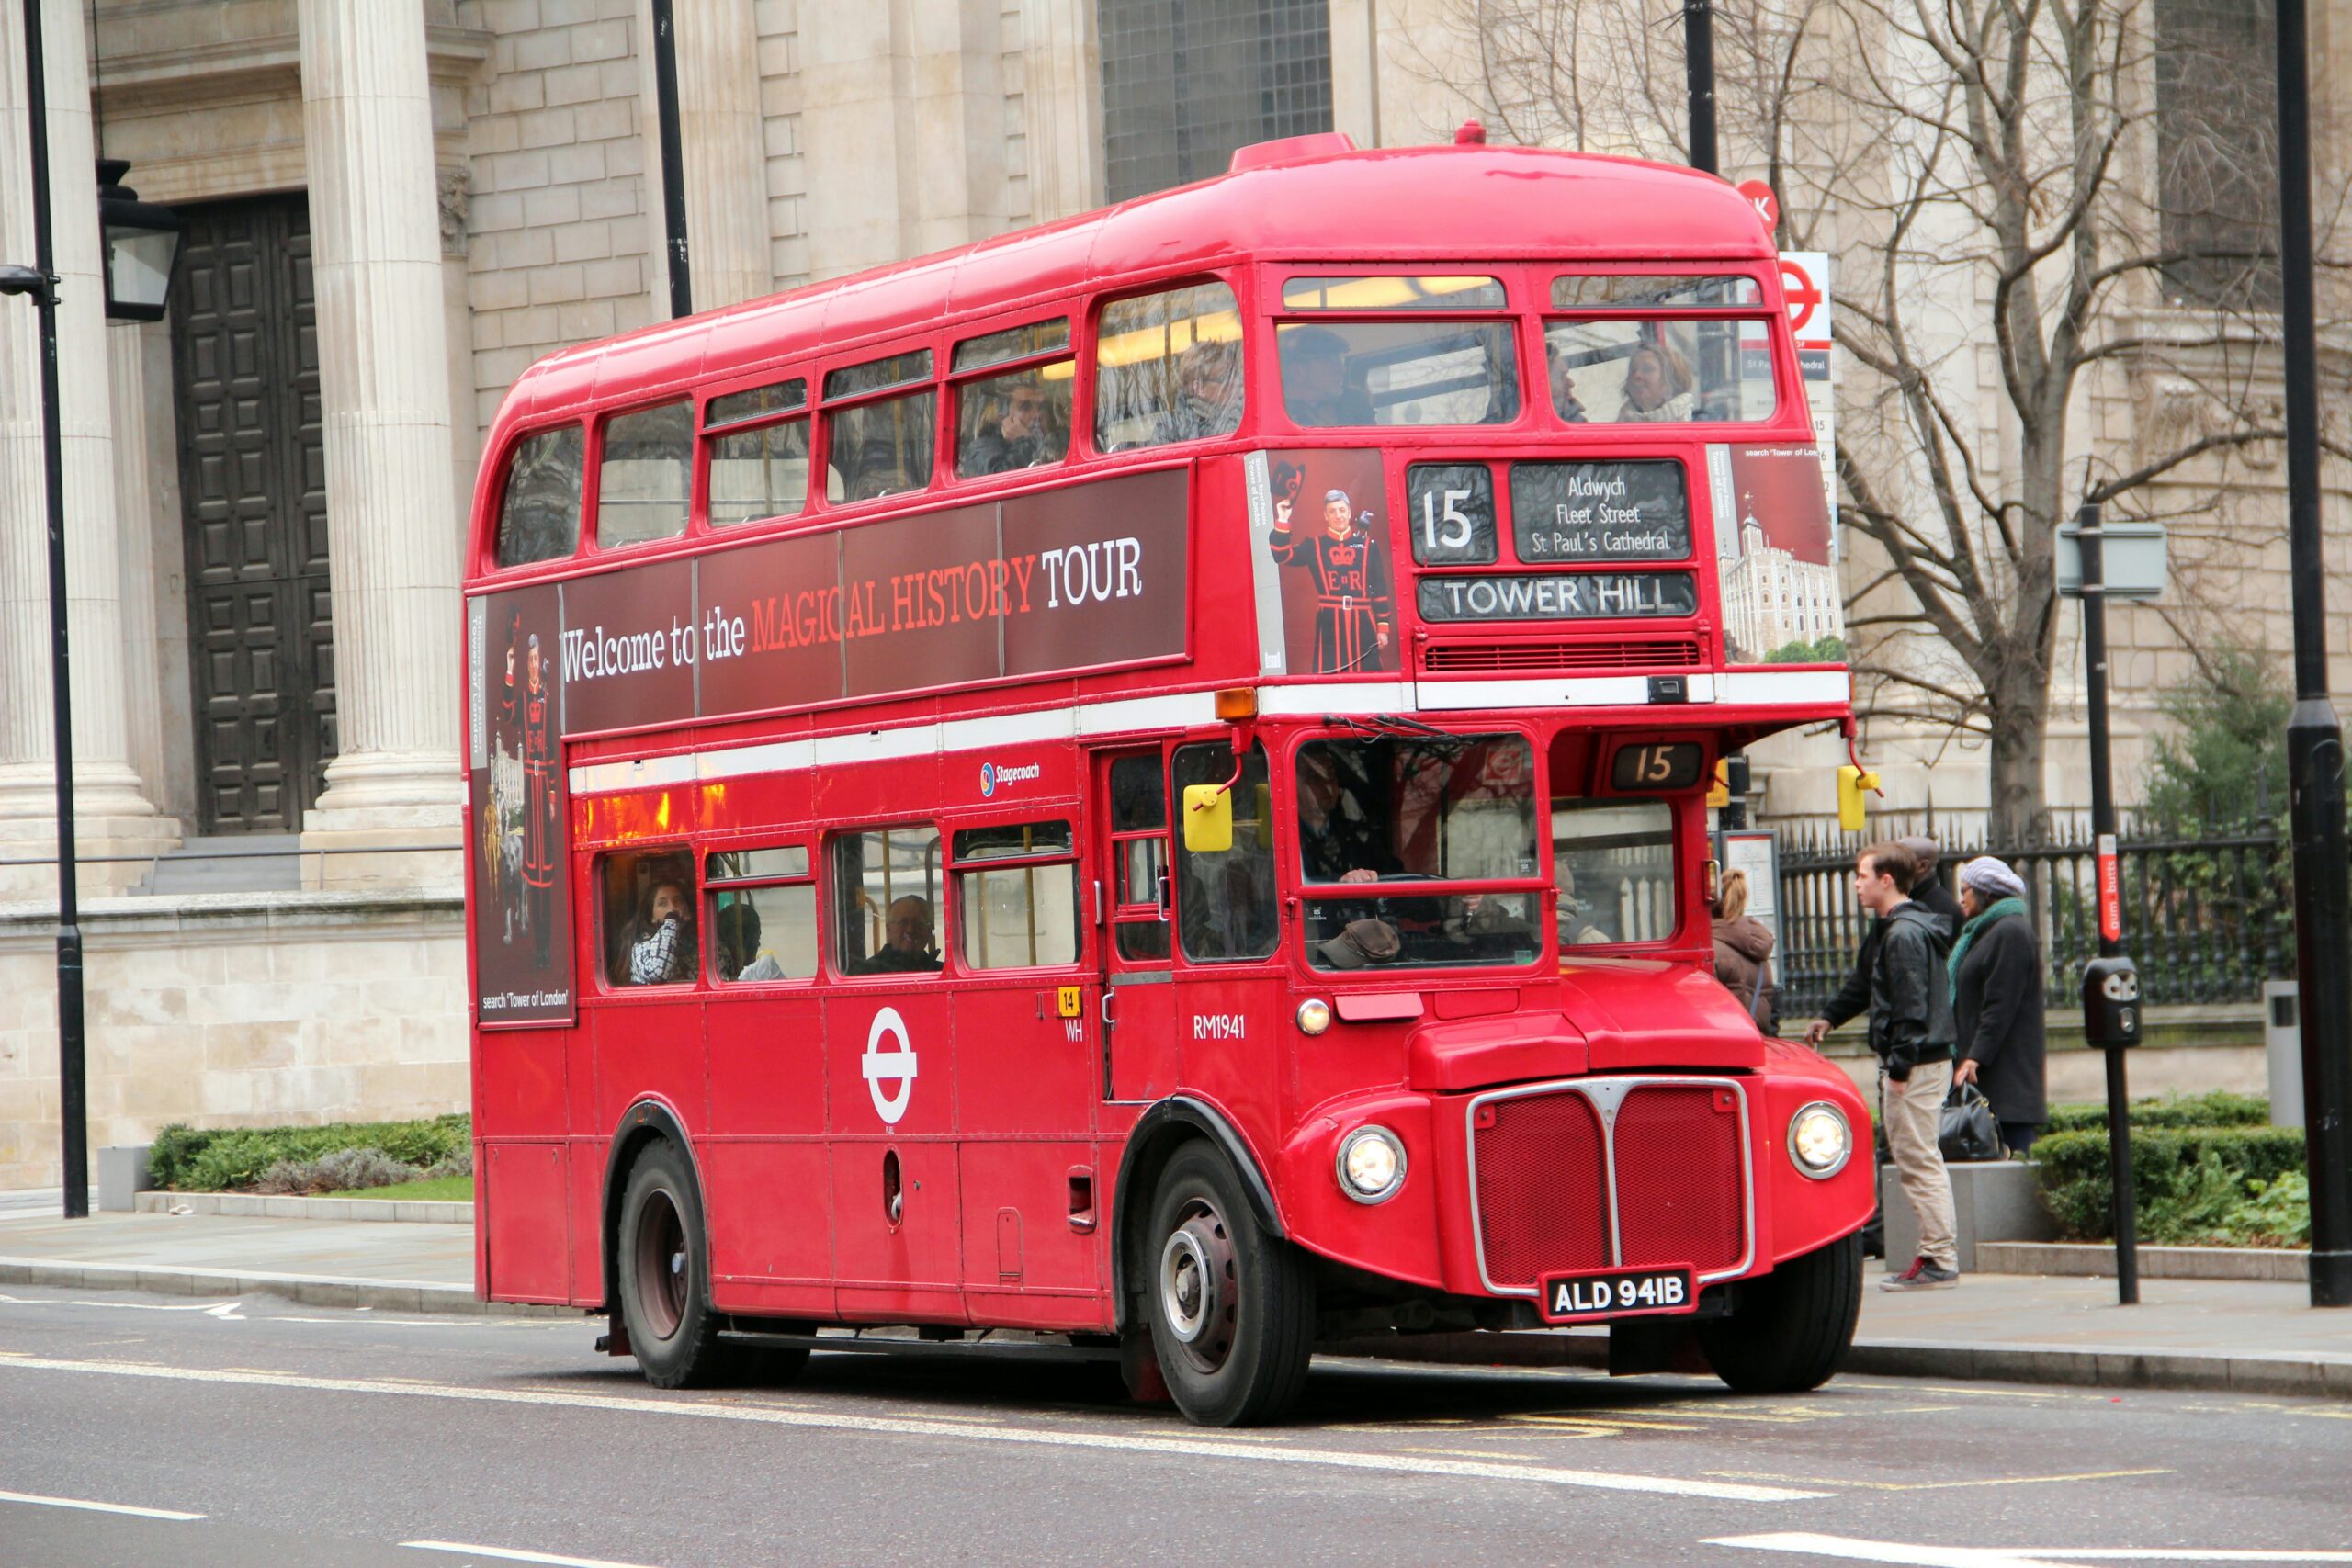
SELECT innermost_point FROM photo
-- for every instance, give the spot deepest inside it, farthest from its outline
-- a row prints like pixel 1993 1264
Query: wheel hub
pixel 1199 1290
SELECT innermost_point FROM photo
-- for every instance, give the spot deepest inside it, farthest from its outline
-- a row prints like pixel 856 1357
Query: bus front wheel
pixel 663 1265
pixel 1232 1308
pixel 1791 1327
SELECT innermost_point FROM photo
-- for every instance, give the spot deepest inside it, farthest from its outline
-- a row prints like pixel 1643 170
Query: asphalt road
pixel 291 1437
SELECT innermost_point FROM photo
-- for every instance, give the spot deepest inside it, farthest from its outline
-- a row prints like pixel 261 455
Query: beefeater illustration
pixel 542 834
pixel 1355 611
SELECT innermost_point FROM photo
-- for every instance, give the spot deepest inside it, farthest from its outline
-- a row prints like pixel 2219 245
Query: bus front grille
pixel 1542 1163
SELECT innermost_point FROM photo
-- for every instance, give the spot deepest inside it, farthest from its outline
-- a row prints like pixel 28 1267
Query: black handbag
pixel 1967 1133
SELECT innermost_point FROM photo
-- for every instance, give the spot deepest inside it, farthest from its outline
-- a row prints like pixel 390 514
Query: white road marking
pixel 1925 1556
pixel 511 1555
pixel 210 1309
pixel 96 1507
pixel 1195 1448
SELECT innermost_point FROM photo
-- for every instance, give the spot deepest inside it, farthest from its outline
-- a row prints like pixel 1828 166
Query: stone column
pixel 384 380
pixel 113 815
pixel 722 142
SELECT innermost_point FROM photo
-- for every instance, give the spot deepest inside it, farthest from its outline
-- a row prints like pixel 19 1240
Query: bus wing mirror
pixel 1208 818
pixel 1852 784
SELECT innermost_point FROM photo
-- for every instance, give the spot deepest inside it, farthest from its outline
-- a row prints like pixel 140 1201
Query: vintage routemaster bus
pixel 1144 781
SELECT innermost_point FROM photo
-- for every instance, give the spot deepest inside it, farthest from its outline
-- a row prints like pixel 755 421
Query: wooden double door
pixel 253 495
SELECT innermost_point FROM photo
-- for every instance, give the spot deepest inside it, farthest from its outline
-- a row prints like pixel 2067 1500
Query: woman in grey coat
pixel 1996 1002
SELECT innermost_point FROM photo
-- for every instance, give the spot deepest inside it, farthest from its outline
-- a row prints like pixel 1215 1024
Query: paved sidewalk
pixel 2250 1336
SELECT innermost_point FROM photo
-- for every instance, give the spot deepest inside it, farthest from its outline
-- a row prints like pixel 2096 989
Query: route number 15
pixel 1450 507
pixel 1669 765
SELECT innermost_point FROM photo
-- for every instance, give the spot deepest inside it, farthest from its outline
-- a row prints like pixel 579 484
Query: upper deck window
pixel 1389 373
pixel 1019 418
pixel 643 474
pixel 1654 291
pixel 761 468
pixel 539 519
pixel 1649 370
pixel 1397 293
pixel 1168 367
pixel 756 403
pixel 881 446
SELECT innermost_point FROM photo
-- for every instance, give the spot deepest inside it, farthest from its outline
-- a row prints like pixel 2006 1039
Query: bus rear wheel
pixel 1792 1327
pixel 1231 1307
pixel 662 1261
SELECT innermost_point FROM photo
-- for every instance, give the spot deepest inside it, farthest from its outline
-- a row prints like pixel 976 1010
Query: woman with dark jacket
pixel 1996 1002
pixel 1743 951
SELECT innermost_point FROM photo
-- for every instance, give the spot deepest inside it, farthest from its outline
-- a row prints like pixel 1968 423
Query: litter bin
pixel 122 1176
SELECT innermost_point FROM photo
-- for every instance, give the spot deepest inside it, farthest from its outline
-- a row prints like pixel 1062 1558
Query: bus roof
pixel 1331 202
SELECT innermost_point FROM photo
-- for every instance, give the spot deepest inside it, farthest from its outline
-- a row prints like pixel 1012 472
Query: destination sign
pixel 1578 596
pixel 1600 512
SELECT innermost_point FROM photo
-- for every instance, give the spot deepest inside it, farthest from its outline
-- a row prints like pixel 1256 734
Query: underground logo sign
pixel 889 1075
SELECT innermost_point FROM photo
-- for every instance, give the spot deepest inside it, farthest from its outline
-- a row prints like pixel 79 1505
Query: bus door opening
pixel 1137 1004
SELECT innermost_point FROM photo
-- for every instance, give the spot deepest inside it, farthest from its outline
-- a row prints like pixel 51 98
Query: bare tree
pixel 2022 249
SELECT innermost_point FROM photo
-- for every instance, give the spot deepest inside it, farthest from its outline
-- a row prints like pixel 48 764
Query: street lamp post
pixel 40 282
pixel 2315 738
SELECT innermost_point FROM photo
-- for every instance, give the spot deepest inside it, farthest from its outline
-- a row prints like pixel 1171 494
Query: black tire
pixel 661 1272
pixel 1792 1327
pixel 1232 1308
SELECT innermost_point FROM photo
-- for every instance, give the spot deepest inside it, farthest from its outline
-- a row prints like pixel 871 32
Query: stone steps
pixel 227 862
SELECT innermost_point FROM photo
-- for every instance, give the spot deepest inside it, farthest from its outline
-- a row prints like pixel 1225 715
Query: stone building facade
pixel 393 207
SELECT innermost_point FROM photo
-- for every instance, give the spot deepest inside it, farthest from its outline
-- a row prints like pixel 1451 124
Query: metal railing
pixel 296 852
pixel 2208 918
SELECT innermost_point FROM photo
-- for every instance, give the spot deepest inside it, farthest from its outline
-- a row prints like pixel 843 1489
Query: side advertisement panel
pixel 1777 555
pixel 1046 584
pixel 522 909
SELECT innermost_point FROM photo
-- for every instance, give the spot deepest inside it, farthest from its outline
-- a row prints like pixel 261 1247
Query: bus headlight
pixel 1371 1165
pixel 1819 1140
pixel 1313 1016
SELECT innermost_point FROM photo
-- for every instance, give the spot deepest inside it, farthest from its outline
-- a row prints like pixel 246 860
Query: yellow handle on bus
pixel 1852 784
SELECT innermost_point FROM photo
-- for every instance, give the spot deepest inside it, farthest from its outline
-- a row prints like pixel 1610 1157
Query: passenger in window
pixel 1657 387
pixel 876 483
pixel 740 958
pixel 1021 437
pixel 1576 929
pixel 1208 393
pixel 1338 840
pixel 908 940
pixel 661 945
pixel 1564 386
pixel 1315 392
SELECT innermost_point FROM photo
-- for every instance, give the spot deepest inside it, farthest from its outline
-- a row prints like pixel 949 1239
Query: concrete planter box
pixel 1998 1201
pixel 2094 1260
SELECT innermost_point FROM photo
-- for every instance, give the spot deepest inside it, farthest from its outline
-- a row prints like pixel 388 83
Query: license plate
pixel 1619 1292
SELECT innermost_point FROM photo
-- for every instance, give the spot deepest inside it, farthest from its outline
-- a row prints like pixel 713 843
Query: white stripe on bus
pixel 1185 710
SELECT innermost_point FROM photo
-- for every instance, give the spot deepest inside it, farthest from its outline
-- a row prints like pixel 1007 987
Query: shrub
pixel 2218 1108
pixel 2194 1183
pixel 232 1160
pixel 344 1170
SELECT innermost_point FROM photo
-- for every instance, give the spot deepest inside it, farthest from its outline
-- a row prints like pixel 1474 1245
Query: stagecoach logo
pixel 896 1067
pixel 991 775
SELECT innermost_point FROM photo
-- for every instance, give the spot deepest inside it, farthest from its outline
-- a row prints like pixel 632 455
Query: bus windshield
pixel 1388 809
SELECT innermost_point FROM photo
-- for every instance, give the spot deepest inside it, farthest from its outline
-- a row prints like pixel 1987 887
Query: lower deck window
pixel 1019 916
pixel 1613 862
pixel 885 896
pixel 649 937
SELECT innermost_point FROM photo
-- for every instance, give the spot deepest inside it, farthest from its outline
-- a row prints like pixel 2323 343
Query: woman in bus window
pixel 662 947
pixel 1657 387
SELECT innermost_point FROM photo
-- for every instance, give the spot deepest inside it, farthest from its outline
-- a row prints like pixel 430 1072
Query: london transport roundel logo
pixel 891 1067
pixel 988 779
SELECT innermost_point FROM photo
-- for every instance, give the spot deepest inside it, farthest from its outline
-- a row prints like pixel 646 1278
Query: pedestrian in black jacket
pixel 1927 886
pixel 1911 1032
pixel 1997 1003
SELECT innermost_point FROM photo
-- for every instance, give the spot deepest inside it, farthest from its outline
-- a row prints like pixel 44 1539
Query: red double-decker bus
pixel 1144 781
